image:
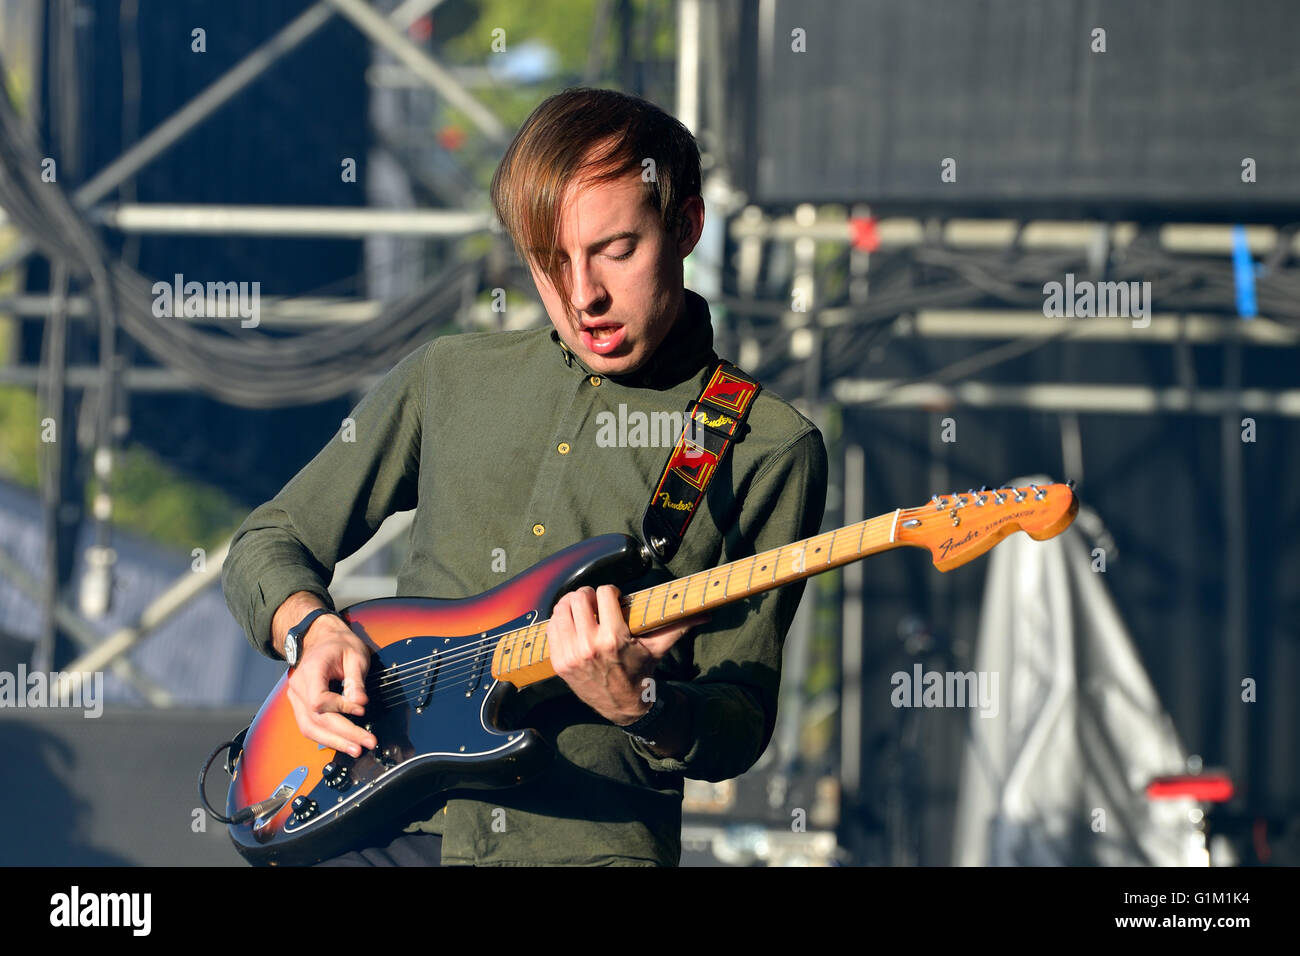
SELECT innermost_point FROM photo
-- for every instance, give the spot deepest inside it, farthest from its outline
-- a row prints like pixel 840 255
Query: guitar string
pixel 469 663
pixel 409 676
pixel 640 601
pixel 474 647
pixel 633 604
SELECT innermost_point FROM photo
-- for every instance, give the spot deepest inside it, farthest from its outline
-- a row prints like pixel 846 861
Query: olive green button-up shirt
pixel 509 450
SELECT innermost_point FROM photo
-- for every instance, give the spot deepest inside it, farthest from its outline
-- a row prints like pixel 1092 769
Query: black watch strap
pixel 293 640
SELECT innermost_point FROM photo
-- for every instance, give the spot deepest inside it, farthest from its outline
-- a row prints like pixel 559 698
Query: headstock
pixel 959 527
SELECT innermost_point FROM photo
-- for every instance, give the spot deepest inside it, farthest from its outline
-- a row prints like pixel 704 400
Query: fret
pixel 546 636
pixel 691 581
pixel 726 586
pixel 645 611
pixel 663 608
pixel 682 585
pixel 714 586
pixel 749 563
pixel 507 650
pixel 862 537
pixel 831 548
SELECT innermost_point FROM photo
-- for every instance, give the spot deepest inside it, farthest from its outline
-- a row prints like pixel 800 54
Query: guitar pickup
pixel 418 681
pixel 476 676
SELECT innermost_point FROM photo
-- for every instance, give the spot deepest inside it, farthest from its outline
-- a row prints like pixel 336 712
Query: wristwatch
pixel 293 640
pixel 646 723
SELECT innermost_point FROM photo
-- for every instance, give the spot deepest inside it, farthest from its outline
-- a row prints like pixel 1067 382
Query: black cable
pixel 254 368
pixel 251 812
pixel 203 796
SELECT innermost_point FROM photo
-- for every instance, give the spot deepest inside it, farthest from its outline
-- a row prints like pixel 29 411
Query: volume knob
pixel 335 775
pixel 304 808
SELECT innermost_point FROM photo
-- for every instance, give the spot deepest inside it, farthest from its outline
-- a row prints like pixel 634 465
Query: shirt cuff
pixel 721 737
pixel 274 592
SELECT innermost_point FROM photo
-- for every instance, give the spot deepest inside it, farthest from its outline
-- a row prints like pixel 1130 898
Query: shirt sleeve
pixel 732 701
pixel 367 471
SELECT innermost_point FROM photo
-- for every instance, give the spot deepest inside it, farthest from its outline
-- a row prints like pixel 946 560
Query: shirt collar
pixel 686 349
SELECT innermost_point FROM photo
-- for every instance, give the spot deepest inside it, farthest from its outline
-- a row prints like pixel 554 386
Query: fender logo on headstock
pixel 950 544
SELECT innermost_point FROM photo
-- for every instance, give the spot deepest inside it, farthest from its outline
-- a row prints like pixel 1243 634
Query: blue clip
pixel 1243 273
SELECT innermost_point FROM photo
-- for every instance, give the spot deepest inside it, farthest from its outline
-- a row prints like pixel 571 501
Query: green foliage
pixel 149 499
pixel 564 27
pixel 19 436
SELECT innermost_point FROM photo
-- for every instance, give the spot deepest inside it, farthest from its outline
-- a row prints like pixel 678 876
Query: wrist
pixel 291 610
pixel 651 720
pixel 295 641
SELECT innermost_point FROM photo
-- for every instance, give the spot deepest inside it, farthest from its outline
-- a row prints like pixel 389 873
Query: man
pixel 501 443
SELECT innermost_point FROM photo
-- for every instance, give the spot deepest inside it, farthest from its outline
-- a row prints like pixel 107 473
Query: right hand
pixel 331 652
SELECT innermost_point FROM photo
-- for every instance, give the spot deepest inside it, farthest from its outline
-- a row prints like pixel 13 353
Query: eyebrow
pixel 601 243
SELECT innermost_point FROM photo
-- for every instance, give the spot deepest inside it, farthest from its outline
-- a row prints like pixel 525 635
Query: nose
pixel 585 289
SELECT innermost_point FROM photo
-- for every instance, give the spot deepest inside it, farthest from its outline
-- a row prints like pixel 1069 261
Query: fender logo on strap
pixel 674 505
pixel 713 423
pixel 703 418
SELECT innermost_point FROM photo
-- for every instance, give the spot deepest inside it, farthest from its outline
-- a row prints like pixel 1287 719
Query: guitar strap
pixel 713 422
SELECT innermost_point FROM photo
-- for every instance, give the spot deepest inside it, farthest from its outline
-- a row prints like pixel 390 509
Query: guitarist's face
pixel 624 273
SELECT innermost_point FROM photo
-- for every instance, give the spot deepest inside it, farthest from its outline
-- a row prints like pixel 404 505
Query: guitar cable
pixel 242 816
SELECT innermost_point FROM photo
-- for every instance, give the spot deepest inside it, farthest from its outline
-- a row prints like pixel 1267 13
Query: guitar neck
pixel 522 657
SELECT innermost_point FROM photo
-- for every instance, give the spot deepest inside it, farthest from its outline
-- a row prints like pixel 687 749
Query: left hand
pixel 594 652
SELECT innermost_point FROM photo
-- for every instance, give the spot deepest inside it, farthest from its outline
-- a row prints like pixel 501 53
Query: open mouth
pixel 603 339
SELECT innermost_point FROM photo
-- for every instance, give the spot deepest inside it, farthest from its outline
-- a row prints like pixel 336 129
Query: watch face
pixel 291 648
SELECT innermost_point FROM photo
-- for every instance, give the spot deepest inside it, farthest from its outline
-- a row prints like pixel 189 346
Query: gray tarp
pixel 1079 728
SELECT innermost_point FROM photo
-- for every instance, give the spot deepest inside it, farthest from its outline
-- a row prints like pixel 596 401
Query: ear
pixel 692 225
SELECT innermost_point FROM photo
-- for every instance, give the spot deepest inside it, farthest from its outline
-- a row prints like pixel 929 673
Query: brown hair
pixel 551 149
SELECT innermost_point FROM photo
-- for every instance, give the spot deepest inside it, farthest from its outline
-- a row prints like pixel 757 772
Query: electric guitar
pixel 442 670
